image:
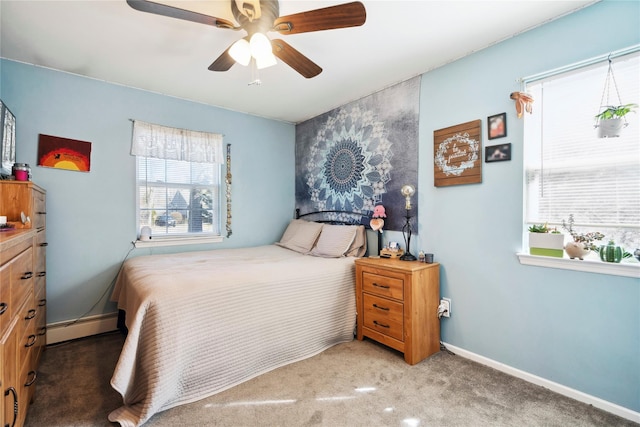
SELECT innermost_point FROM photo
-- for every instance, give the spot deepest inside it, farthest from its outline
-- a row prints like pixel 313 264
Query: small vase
pixel 576 250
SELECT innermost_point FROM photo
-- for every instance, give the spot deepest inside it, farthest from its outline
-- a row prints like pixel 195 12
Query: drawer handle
pixel 15 404
pixel 381 308
pixel 34 375
pixel 30 314
pixel 44 244
pixel 382 325
pixel 380 286
pixel 42 302
pixel 43 331
pixel 32 341
pixel 27 275
pixel 42 274
pixel 3 307
pixel 41 213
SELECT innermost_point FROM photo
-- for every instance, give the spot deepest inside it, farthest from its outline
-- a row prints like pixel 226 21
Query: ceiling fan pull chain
pixel 255 74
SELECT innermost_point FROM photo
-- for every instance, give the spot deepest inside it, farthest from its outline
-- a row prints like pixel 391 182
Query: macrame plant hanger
pixel 605 91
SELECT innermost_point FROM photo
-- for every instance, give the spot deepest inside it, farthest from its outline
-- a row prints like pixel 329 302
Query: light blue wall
pixel 578 329
pixel 91 216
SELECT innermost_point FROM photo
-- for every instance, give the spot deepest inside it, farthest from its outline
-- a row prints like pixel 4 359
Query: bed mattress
pixel 201 322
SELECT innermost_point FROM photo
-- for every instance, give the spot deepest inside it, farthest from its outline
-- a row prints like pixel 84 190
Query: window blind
pixel 568 169
pixel 178 180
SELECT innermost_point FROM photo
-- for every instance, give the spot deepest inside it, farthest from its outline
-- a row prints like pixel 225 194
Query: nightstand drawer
pixel 383 285
pixel 384 316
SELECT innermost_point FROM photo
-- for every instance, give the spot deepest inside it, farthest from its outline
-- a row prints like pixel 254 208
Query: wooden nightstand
pixel 397 303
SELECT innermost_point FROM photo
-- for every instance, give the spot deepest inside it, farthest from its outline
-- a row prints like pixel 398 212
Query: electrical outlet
pixel 445 303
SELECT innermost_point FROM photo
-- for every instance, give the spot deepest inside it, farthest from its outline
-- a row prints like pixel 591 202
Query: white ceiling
pixel 110 41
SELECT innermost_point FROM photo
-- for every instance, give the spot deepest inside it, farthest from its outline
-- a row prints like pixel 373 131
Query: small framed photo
pixel 497 126
pixel 497 153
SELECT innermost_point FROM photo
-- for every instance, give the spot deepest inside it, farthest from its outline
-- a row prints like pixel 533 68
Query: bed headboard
pixel 343 218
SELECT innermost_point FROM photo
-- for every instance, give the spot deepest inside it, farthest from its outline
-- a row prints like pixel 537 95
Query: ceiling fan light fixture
pixel 240 51
pixel 266 61
pixel 260 46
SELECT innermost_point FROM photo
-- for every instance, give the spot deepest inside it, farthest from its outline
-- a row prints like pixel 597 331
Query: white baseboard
pixel 87 326
pixel 93 325
pixel 555 387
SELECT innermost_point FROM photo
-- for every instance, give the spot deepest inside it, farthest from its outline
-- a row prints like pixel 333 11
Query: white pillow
pixel 359 246
pixel 334 240
pixel 300 235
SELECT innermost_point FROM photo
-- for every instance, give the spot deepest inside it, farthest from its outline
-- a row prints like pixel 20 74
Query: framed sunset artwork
pixel 63 153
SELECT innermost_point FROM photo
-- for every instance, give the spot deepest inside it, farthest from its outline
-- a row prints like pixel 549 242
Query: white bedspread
pixel 202 322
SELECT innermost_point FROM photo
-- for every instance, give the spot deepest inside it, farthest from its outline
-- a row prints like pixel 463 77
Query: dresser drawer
pixel 384 316
pixel 39 210
pixel 385 286
pixel 5 298
pixel 26 331
pixel 21 278
pixel 40 255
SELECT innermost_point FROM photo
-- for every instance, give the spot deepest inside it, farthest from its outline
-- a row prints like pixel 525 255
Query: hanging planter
pixel 611 121
pixel 612 118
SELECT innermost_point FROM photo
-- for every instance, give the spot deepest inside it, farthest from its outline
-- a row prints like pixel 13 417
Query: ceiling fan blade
pixel 295 59
pixel 328 18
pixel 223 62
pixel 175 12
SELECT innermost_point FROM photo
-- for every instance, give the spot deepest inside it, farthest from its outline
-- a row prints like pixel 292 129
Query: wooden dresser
pixel 397 303
pixel 22 297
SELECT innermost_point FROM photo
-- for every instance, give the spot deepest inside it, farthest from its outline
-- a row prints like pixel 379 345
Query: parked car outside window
pixel 165 221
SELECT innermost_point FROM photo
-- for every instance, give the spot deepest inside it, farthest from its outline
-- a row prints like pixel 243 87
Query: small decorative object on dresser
pixel 407 191
pixel 397 305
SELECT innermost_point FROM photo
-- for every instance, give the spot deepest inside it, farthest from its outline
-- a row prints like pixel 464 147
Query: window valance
pixel 162 142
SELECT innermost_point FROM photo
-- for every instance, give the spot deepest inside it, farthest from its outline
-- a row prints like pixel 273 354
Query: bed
pixel 201 322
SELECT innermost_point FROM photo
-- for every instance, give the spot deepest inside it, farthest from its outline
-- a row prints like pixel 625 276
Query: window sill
pixel 626 269
pixel 179 241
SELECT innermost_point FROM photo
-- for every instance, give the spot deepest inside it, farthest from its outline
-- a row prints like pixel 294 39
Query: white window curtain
pixel 162 142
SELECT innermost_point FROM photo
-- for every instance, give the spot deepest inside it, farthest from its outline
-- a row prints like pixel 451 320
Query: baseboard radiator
pixel 85 327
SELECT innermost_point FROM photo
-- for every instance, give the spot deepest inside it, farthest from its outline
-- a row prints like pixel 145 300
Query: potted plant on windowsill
pixel 583 243
pixel 545 242
pixel 611 120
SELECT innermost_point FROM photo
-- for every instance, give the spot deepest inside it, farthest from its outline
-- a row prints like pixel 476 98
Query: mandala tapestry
pixel 360 155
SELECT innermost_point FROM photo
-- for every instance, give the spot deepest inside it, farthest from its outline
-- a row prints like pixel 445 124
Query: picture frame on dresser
pixel 7 139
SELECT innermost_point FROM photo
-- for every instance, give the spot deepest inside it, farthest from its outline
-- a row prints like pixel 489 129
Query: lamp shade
pixel 260 46
pixel 408 191
pixel 240 51
pixel 265 61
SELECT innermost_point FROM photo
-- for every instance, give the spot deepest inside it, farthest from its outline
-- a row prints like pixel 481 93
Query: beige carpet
pixel 360 383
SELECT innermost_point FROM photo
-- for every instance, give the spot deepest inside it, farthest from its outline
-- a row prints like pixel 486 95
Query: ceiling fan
pixel 257 17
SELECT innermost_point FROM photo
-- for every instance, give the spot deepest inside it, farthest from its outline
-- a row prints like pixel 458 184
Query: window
pixel 568 169
pixel 178 181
